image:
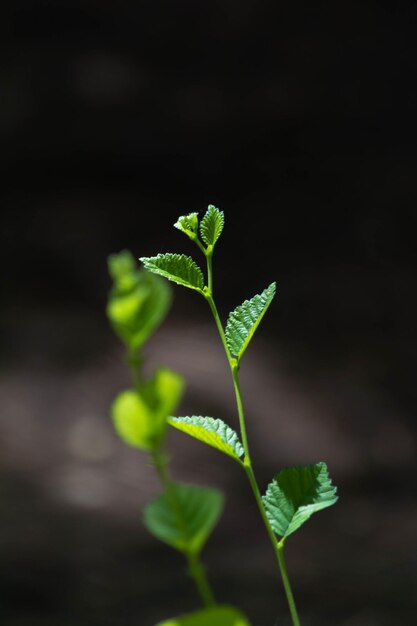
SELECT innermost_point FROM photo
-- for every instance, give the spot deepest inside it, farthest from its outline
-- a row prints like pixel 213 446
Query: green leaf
pixel 167 389
pixel 211 226
pixel 245 319
pixel 179 268
pixel 188 224
pixel 140 416
pixel 138 302
pixel 133 420
pixel 211 431
pixel 184 516
pixel 218 616
pixel 295 494
pixel 122 269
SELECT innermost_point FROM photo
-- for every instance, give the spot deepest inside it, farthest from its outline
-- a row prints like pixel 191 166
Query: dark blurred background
pixel 298 119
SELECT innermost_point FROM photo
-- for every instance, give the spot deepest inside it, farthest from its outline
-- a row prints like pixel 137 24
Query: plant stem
pixel 161 466
pixel 135 362
pixel 242 422
pixel 287 585
pixel 234 366
pixel 195 566
pixel 278 546
pixel 213 308
pixel 209 257
pixel 198 572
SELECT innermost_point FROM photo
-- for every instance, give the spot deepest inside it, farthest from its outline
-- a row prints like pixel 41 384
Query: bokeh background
pixel 298 119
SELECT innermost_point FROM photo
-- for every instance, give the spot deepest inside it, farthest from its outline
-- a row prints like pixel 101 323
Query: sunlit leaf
pixel 167 387
pixel 184 516
pixel 133 420
pixel 188 224
pixel 138 302
pixel 140 415
pixel 123 269
pixel 213 432
pixel 211 226
pixel 179 268
pixel 295 494
pixel 218 616
pixel 245 319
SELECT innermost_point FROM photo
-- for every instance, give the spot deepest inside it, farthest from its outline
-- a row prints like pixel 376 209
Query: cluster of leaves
pixel 294 494
pixel 183 516
pixel 138 303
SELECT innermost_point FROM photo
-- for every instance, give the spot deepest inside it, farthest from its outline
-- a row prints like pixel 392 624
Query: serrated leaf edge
pixel 172 500
pixel 274 483
pixel 211 212
pixel 149 261
pixel 233 319
pixel 237 449
pixel 187 229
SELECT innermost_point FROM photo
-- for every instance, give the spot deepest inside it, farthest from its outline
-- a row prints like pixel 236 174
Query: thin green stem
pixel 253 483
pixel 198 573
pixel 209 257
pixel 135 362
pixel 200 245
pixel 278 546
pixel 234 366
pixel 161 465
pixel 242 422
pixel 213 308
pixel 287 585
pixel 195 566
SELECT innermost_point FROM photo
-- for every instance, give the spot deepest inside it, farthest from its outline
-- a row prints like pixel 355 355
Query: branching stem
pixel 234 367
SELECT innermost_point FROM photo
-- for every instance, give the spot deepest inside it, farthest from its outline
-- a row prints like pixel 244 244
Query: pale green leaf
pixel 138 302
pixel 184 516
pixel 245 319
pixel 217 616
pixel 123 269
pixel 188 224
pixel 211 431
pixel 179 268
pixel 133 420
pixel 295 494
pixel 140 415
pixel 211 226
pixel 168 387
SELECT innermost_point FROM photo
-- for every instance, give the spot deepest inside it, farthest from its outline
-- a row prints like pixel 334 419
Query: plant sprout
pixel 294 494
pixel 183 516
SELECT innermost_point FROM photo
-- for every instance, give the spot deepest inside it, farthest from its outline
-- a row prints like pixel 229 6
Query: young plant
pixel 183 516
pixel 294 494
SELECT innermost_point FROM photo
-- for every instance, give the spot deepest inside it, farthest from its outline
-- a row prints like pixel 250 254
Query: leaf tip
pixel 188 224
pixel 212 225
